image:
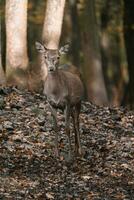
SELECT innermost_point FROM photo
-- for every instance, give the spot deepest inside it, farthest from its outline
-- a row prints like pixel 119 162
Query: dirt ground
pixel 29 169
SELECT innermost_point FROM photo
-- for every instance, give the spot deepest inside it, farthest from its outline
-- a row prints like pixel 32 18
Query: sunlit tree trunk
pixel 53 23
pixel 16 36
pixel 52 26
pixel 129 42
pixel 92 68
pixel 2 75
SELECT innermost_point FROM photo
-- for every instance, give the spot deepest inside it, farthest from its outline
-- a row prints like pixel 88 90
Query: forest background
pixel 101 34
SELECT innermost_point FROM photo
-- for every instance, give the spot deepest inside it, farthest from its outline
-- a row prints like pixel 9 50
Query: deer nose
pixel 51 69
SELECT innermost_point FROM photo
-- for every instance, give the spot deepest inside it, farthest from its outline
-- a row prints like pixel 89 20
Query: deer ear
pixel 40 47
pixel 64 49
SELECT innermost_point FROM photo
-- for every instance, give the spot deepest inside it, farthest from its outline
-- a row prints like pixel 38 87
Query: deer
pixel 63 90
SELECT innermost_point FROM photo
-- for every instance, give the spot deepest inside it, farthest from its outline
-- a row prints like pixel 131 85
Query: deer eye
pixel 58 57
pixel 45 57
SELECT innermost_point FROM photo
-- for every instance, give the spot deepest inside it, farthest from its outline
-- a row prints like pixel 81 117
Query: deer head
pixel 51 57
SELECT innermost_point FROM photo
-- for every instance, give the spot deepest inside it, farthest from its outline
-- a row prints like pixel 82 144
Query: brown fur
pixel 64 90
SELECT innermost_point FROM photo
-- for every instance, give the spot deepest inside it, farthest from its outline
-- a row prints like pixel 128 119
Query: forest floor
pixel 29 169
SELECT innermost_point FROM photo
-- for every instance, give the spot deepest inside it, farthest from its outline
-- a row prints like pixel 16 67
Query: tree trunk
pixel 52 26
pixel 112 49
pixel 16 32
pixel 2 75
pixel 92 69
pixel 53 23
pixel 129 42
pixel 75 48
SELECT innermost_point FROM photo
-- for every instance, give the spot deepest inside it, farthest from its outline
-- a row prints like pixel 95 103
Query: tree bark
pixel 16 36
pixel 52 26
pixel 75 47
pixel 129 43
pixel 53 23
pixel 92 68
pixel 112 49
pixel 2 75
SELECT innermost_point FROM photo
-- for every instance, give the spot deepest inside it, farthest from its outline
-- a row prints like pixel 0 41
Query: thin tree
pixel 16 36
pixel 53 23
pixel 52 26
pixel 75 36
pixel 129 43
pixel 2 76
pixel 92 68
pixel 112 49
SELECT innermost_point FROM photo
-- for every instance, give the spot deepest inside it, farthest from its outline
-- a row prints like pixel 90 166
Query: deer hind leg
pixel 54 114
pixel 67 126
pixel 75 115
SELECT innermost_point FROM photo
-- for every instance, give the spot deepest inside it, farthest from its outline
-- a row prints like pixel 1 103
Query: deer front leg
pixel 75 116
pixel 67 126
pixel 54 114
